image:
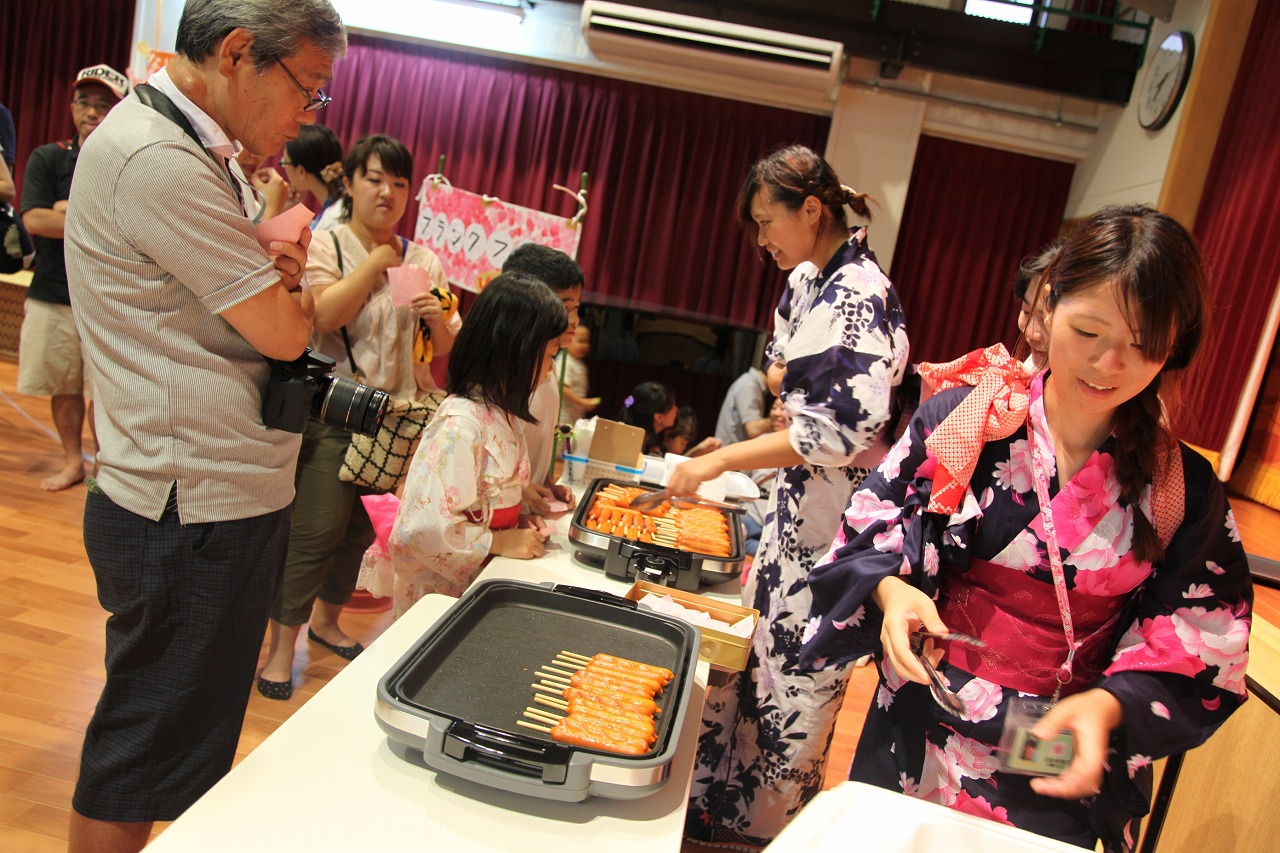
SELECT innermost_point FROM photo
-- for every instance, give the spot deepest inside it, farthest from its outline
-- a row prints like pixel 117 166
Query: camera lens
pixel 350 406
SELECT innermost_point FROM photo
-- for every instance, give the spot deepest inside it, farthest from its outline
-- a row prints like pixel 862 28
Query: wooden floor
pixel 51 637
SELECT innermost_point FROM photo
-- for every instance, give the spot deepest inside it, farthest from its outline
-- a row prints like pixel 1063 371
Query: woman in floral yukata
pixel 1042 513
pixel 839 348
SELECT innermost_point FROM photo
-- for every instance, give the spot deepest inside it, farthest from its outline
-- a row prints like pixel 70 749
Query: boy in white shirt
pixel 563 275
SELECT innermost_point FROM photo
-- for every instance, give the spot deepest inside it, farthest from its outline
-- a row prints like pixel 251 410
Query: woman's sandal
pixel 281 690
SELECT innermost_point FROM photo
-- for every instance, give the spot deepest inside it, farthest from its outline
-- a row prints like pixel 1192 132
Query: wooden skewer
pixel 541 716
pixel 547 676
pixel 532 726
pixel 560 672
pixel 576 664
pixel 546 688
pixel 555 687
pixel 552 703
pixel 566 654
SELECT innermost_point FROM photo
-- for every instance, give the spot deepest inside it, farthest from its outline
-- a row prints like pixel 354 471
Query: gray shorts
pixel 50 360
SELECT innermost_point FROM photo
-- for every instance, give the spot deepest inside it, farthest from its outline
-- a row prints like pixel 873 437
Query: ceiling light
pixel 514 7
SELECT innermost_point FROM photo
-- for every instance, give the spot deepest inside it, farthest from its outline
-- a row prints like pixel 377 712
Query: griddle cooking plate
pixel 478 667
pixel 630 560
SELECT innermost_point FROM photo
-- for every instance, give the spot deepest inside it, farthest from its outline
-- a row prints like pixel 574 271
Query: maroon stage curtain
pixel 664 166
pixel 1092 28
pixel 42 46
pixel 1237 224
pixel 972 215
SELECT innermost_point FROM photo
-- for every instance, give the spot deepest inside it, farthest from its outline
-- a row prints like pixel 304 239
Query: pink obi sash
pixel 1017 616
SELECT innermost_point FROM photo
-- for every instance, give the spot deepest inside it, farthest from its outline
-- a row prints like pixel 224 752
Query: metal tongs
pixel 942 694
pixel 651 499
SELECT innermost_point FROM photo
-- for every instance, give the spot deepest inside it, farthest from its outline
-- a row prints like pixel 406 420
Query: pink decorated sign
pixel 472 236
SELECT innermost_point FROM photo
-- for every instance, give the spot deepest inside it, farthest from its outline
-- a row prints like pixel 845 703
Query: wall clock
pixel 1168 69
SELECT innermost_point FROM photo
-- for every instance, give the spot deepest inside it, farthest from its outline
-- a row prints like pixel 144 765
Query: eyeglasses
pixel 942 694
pixel 284 162
pixel 315 102
pixel 102 105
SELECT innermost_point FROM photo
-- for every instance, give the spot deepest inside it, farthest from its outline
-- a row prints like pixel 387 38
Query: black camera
pixel 302 389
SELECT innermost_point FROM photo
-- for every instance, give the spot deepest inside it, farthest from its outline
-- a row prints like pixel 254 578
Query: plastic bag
pixel 376 573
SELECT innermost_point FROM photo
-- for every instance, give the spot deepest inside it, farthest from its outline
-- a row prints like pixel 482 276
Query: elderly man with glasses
pixel 187 521
pixel 50 362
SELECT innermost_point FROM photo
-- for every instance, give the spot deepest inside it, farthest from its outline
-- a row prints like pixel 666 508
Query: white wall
pixel 1127 163
pixel 872 147
pixel 875 131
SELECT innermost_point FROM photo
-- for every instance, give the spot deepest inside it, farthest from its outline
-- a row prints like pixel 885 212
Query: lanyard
pixel 1055 561
pixel 236 181
pixel 316 219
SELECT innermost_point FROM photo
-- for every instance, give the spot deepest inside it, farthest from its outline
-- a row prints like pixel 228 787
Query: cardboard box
pixel 722 651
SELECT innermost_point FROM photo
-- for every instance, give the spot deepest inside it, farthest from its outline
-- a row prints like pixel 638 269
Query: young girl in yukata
pixel 461 500
pixel 1053 517
pixel 839 348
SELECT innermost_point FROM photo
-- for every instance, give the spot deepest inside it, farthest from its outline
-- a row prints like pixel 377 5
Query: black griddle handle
pixel 596 595
pixel 507 752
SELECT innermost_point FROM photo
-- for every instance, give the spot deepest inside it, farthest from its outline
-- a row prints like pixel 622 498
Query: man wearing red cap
pixel 50 363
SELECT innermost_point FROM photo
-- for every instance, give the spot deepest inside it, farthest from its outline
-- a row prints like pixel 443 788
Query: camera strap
pixel 160 102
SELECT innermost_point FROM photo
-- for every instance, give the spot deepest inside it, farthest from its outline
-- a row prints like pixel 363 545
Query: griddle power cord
pixel 88 457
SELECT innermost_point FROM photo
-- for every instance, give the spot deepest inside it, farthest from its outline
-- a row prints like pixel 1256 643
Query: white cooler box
pixel 889 822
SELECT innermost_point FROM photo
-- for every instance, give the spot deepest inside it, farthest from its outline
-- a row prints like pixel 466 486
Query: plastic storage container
pixel 579 469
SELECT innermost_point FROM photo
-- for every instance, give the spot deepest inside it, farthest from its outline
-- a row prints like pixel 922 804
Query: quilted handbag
pixel 382 461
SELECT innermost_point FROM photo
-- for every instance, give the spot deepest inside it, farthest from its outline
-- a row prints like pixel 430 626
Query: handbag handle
pixel 342 273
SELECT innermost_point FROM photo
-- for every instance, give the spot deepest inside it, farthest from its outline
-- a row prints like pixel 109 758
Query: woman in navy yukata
pixel 1054 517
pixel 838 350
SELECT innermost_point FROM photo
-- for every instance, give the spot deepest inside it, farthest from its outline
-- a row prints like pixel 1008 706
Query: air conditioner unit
pixel 687 51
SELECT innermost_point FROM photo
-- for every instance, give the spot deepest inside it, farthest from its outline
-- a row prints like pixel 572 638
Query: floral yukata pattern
pixel 763 750
pixel 1176 663
pixel 471 461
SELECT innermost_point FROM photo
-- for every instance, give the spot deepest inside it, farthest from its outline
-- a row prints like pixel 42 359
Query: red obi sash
pixel 505 518
pixel 501 519
pixel 1017 616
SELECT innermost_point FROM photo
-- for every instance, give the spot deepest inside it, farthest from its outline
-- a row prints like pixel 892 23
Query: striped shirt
pixel 157 246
